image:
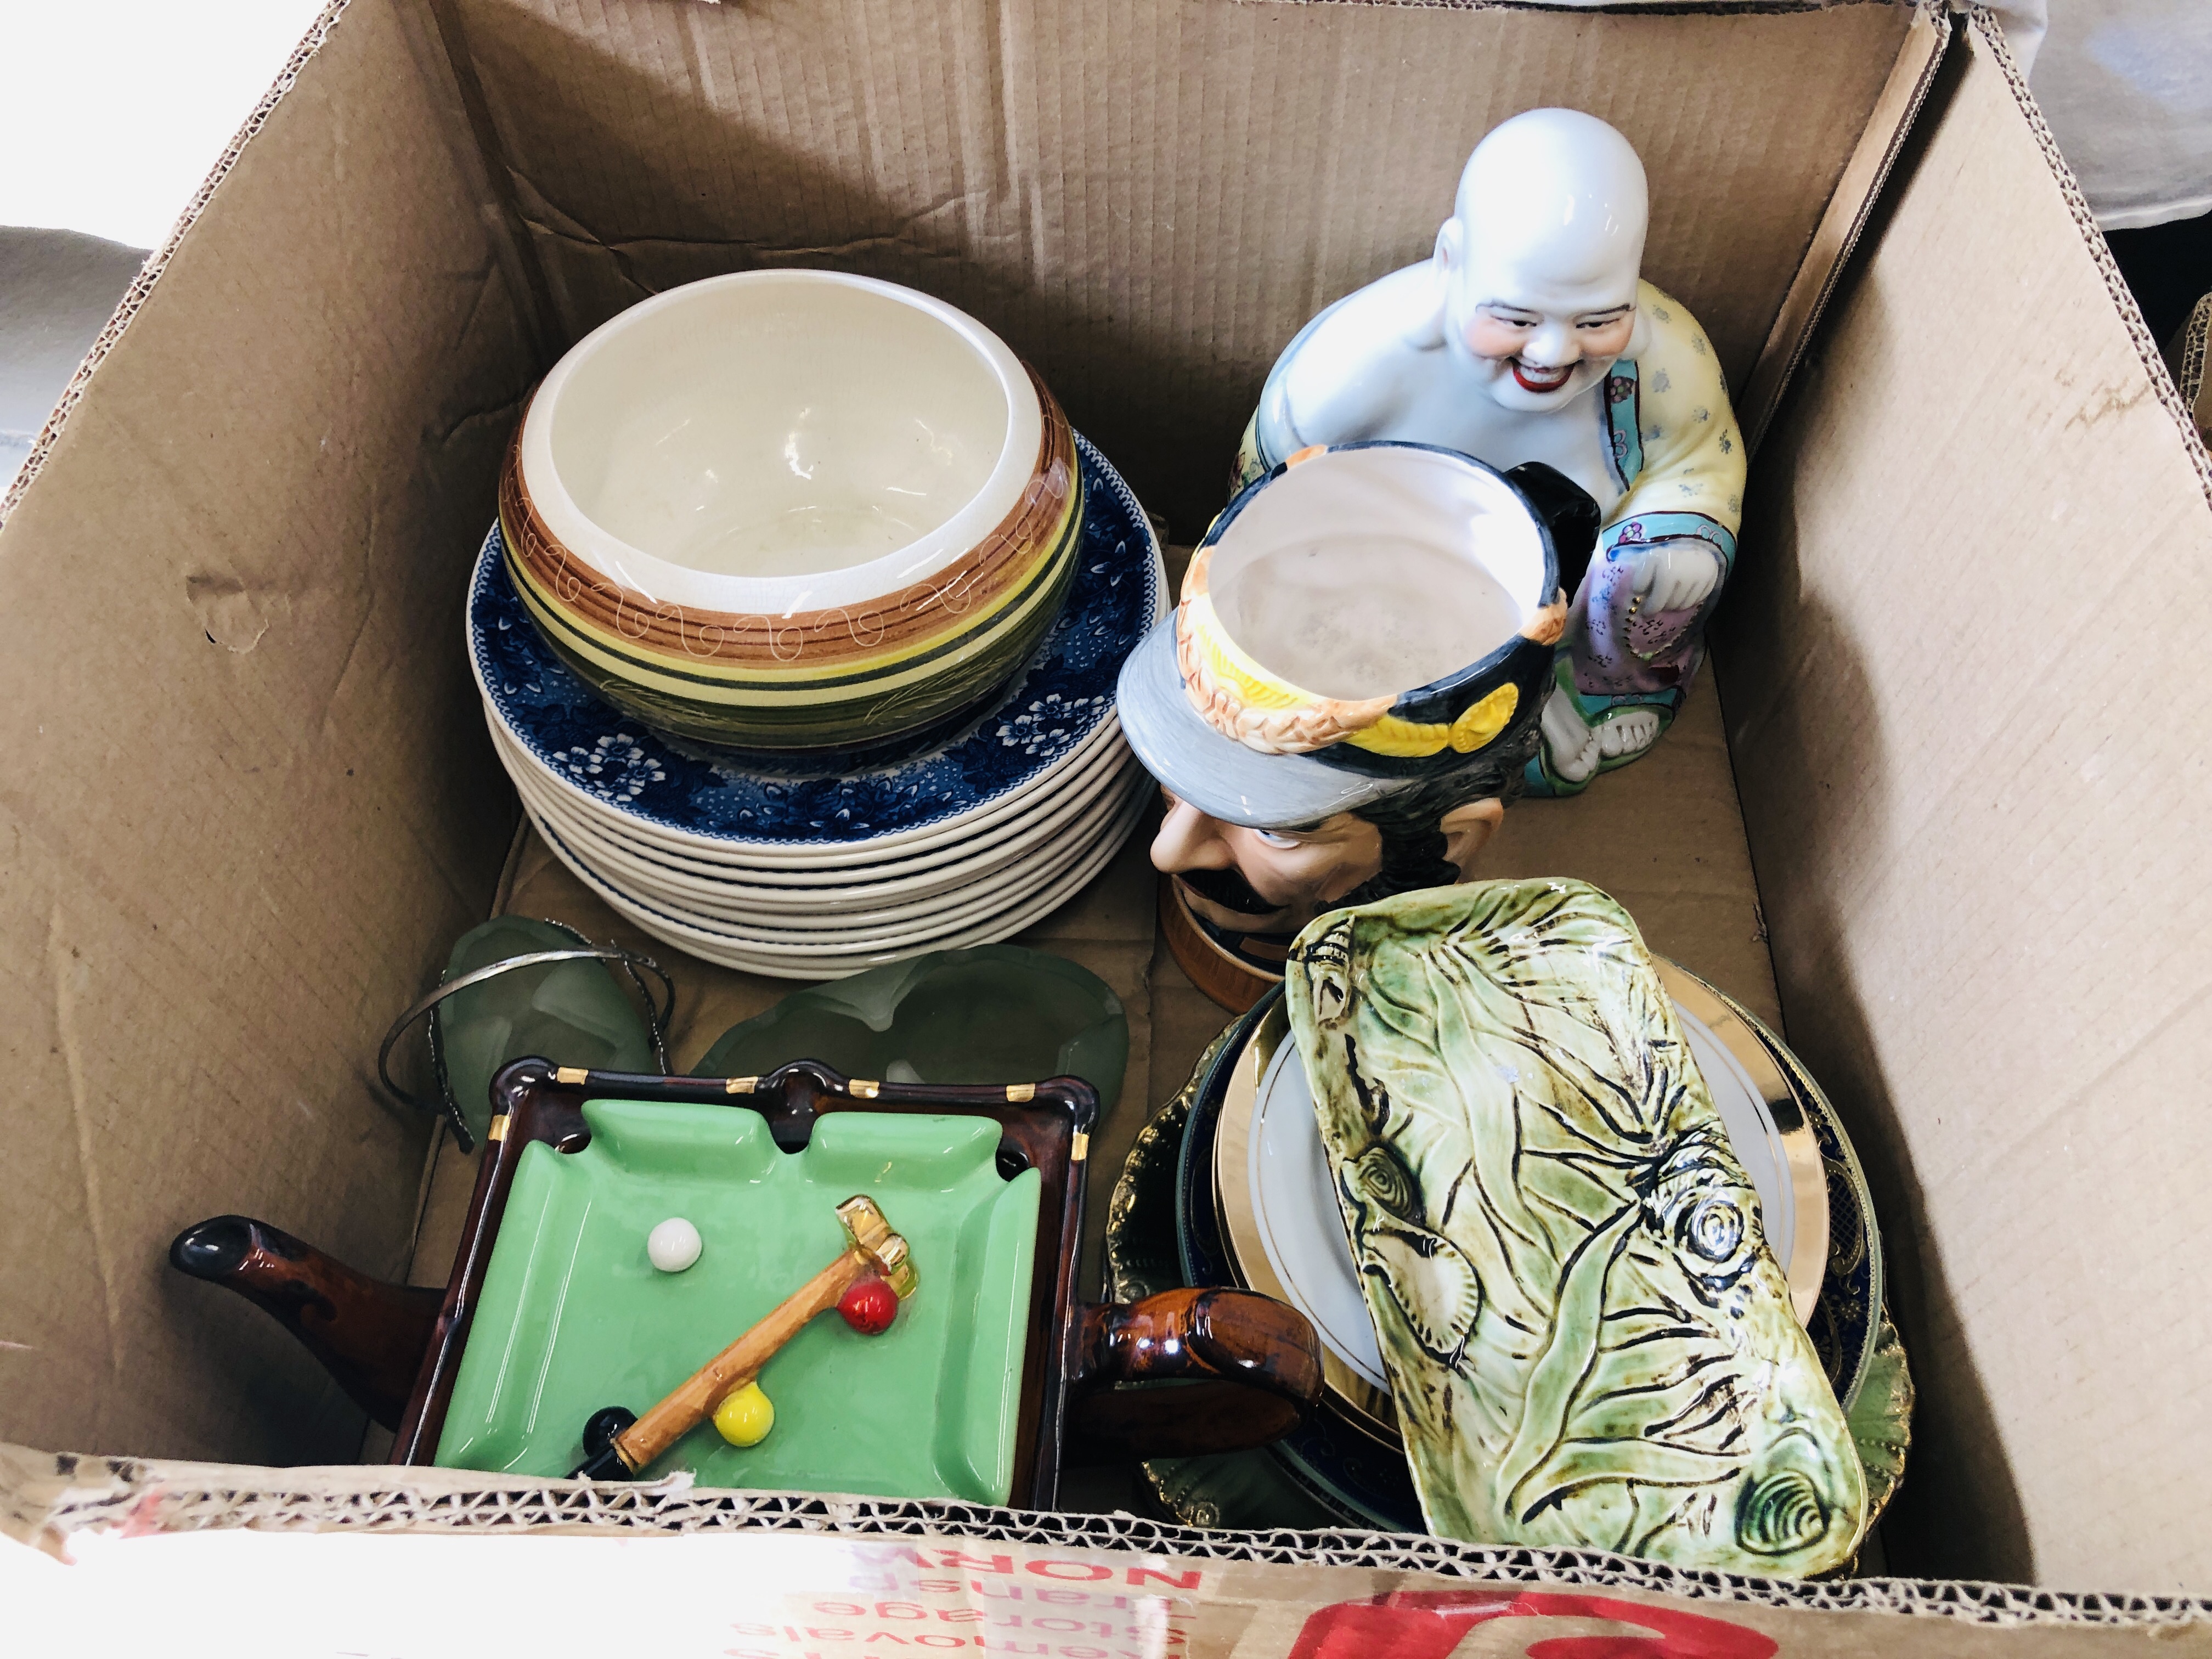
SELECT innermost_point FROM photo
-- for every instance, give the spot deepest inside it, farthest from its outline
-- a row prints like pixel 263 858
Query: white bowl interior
pixel 1365 573
pixel 780 427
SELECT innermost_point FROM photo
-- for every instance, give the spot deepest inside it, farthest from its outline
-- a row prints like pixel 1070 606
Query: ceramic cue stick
pixel 872 1247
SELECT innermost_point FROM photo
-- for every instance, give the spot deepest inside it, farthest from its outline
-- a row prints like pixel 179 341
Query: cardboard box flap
pixel 1148 197
pixel 1974 596
pixel 250 801
pixel 786 1575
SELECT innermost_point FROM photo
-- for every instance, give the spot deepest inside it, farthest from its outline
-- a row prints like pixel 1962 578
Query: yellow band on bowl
pixel 621 662
pixel 1040 581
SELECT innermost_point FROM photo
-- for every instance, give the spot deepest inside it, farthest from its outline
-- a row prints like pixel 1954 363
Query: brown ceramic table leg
pixel 370 1335
pixel 1250 1366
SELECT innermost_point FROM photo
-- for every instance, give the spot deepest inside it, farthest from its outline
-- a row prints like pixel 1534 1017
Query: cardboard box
pixel 251 803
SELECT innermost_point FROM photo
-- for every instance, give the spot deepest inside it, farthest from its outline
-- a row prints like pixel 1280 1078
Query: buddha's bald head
pixel 1542 254
pixel 1559 190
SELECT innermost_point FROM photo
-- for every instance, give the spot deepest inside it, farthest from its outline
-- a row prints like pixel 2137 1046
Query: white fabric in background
pixel 2024 22
pixel 57 289
pixel 113 112
pixel 2127 87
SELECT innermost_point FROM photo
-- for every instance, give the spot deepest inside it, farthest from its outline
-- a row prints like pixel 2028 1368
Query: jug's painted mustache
pixel 1230 890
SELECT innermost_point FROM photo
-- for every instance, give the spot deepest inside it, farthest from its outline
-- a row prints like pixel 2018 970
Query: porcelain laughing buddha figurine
pixel 1530 336
pixel 1346 698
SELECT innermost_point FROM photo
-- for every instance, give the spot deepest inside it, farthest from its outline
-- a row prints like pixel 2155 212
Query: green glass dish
pixel 573 1013
pixel 573 1317
pixel 996 1013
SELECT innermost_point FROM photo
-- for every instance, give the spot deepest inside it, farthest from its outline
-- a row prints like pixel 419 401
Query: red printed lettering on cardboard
pixel 1073 1572
pixel 1183 1581
pixel 1431 1624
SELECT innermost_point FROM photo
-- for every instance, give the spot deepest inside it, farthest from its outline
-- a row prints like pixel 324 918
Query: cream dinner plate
pixel 933 870
pixel 835 962
pixel 1281 1221
pixel 772 911
pixel 831 928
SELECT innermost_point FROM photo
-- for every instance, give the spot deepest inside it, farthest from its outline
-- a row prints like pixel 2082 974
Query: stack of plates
pixel 814 869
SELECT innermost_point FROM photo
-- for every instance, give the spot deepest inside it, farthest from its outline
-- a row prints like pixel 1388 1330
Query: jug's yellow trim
pixel 1478 724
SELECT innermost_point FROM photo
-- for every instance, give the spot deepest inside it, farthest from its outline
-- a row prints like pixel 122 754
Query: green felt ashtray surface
pixel 574 1317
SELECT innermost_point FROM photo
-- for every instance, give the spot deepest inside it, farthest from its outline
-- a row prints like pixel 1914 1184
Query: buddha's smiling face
pixel 1539 260
pixel 1538 346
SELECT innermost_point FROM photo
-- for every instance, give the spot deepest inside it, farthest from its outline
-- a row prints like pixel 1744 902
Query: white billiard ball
pixel 673 1245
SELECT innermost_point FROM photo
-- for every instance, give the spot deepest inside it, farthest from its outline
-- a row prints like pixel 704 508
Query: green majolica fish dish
pixel 1589 1341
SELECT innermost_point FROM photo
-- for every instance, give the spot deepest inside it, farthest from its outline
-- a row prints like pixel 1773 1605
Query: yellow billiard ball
pixel 745 1418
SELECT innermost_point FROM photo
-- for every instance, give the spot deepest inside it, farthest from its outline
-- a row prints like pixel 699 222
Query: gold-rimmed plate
pixel 1276 1205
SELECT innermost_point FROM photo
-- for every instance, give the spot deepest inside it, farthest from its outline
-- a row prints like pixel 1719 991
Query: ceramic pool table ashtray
pixel 1013 1375
pixel 573 1317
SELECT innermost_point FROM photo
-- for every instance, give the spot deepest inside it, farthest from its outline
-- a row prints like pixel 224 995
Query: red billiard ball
pixel 869 1307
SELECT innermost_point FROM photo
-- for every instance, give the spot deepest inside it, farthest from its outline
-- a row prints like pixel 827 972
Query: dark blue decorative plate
pixel 1846 1323
pixel 1047 714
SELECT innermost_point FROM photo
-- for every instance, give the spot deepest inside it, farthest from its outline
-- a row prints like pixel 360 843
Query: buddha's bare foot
pixel 1570 747
pixel 1628 734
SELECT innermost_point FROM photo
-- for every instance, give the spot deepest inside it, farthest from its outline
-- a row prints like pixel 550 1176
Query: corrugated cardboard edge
pixel 46 1497
pixel 156 262
pixel 1990 35
pixel 1845 220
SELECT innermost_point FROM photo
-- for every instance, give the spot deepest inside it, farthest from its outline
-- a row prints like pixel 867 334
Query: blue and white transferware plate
pixel 1044 720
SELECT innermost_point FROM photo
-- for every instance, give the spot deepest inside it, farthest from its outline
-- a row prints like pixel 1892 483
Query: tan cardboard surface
pixel 248 802
pixel 1146 197
pixel 240 841
pixel 1978 563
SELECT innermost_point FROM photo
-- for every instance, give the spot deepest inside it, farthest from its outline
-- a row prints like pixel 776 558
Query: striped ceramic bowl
pixel 793 509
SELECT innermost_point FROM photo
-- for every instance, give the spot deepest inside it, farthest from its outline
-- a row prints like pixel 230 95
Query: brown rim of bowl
pixel 972 584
